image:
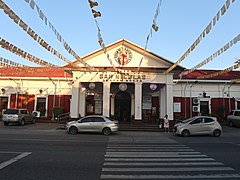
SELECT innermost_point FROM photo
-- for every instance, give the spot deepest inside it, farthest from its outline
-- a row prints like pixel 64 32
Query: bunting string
pixel 153 27
pixel 67 47
pixel 100 39
pixel 30 32
pixel 206 31
pixel 14 49
pixel 214 55
pixel 11 64
pixel 236 66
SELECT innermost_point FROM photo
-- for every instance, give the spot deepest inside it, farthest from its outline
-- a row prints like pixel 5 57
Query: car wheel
pixel 73 130
pixel 185 133
pixel 230 123
pixel 6 123
pixel 106 131
pixel 22 122
pixel 216 133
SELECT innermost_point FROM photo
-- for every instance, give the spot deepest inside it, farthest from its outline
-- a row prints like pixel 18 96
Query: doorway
pixel 204 108
pixel 122 107
pixel 41 106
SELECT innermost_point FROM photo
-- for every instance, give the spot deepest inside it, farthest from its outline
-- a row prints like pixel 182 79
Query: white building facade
pixel 132 92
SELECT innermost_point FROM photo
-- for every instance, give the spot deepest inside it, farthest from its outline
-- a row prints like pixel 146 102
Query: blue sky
pixel 180 23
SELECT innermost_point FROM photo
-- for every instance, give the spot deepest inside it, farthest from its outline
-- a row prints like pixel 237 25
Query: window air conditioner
pixel 195 101
pixel 36 114
pixel 195 109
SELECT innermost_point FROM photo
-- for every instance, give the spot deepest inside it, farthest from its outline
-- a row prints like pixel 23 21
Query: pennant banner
pixel 219 73
pixel 214 55
pixel 206 31
pixel 100 39
pixel 30 32
pixel 10 47
pixel 42 16
pixel 13 65
pixel 155 28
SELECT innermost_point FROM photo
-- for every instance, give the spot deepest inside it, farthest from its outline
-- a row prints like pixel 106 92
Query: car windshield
pixel 11 111
pixel 109 118
pixel 187 120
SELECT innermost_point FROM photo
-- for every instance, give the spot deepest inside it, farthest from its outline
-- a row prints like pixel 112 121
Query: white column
pixel 169 101
pixel 163 102
pixel 112 105
pixel 132 105
pixel 74 106
pixel 106 98
pixel 138 101
pixel 82 103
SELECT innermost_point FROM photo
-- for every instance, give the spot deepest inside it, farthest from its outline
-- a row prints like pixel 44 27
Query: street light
pixel 229 103
pixel 54 97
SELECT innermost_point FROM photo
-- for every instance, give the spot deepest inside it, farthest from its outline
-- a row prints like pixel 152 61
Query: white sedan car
pixel 198 125
pixel 93 123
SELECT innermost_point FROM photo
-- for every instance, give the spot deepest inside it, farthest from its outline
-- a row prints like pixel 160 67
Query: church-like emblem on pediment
pixel 123 56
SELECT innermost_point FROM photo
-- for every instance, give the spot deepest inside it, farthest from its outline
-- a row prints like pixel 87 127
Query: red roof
pixel 60 72
pixel 46 72
pixel 198 73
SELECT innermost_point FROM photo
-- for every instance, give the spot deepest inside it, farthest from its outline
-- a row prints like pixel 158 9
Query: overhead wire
pixel 42 16
pixel 8 11
pixel 14 49
pixel 155 28
pixel 234 41
pixel 96 14
pixel 204 33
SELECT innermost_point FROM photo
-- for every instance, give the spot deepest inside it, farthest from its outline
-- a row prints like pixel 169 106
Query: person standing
pixel 166 123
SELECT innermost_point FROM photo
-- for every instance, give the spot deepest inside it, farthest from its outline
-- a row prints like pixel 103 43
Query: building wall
pixel 22 93
pixel 222 97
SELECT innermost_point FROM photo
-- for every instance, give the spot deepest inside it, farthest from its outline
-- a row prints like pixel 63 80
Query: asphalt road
pixel 46 151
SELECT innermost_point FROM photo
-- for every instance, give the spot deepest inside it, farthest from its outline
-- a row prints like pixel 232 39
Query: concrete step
pixel 139 127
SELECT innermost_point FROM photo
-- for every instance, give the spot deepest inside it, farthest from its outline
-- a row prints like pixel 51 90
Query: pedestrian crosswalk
pixel 161 161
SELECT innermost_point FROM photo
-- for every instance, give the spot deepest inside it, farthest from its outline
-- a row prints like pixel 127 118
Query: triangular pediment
pixel 125 54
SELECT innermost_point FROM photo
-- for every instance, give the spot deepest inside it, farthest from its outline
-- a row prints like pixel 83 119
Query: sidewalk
pixel 37 126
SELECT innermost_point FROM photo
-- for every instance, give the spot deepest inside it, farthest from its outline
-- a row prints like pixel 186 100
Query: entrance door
pixel 204 108
pixel 41 105
pixel 123 106
pixel 3 103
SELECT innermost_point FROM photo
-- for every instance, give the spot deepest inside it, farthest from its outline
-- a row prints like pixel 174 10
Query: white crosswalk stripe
pixel 161 161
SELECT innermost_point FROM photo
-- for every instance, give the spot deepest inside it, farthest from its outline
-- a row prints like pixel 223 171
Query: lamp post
pixel 229 102
pixel 54 97
pixel 18 86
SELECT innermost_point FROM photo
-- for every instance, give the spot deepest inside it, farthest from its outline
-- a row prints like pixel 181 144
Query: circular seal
pixel 153 87
pixel 92 85
pixel 122 87
pixel 123 56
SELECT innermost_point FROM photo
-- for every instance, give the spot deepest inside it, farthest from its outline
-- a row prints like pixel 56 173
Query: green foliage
pixel 57 111
pixel 221 113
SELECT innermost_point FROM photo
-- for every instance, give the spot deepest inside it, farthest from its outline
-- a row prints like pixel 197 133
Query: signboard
pixel 176 107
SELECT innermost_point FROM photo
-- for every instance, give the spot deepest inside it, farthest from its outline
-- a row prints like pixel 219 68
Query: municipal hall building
pixel 126 82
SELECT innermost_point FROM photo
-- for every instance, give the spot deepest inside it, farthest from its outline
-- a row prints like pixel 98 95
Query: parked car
pixel 93 123
pixel 198 125
pixel 233 118
pixel 20 116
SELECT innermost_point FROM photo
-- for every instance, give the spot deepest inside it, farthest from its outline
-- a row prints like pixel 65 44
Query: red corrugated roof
pixel 61 73
pixel 35 72
pixel 198 73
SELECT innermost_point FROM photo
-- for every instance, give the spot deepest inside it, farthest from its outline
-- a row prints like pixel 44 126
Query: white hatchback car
pixel 93 123
pixel 198 125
